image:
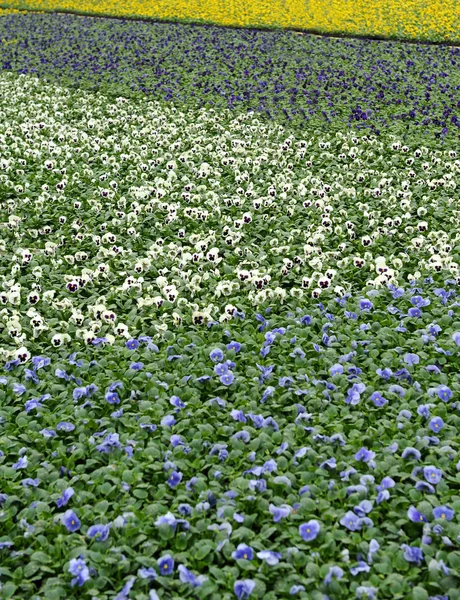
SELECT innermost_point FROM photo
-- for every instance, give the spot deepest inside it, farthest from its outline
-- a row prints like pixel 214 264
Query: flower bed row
pixel 411 19
pixel 410 90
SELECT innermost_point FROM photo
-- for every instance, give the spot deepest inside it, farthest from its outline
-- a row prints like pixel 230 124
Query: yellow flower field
pixel 413 19
pixel 11 11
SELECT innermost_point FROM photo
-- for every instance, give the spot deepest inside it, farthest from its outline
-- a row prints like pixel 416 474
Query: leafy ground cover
pixel 411 19
pixel 230 355
pixel 304 81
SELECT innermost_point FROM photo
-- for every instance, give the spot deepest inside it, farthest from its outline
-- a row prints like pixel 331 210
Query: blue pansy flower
pixel 22 463
pixel 436 424
pixel 187 576
pixel 32 404
pixel 412 553
pixel 415 516
pixel 19 389
pixel 456 337
pixel 148 573
pixel 334 573
pixel 364 455
pixel 166 565
pixel 177 402
pixel 443 512
pixel 174 479
pixel 136 366
pixel 309 531
pixel 423 486
pixel 385 373
pixel 221 369
pixel 336 369
pixel 363 508
pixel 71 521
pixel 297 353
pixel 270 557
pixel 411 359
pixel 366 592
pixel 444 393
pixel 296 589
pixel 99 532
pixel 243 552
pixel 280 512
pixel 29 482
pixel 351 521
pixel 30 375
pixel 378 399
pixel 112 398
pixel 48 433
pixel 132 344
pixel 411 453
pixel 65 497
pixel 78 568
pixel 397 389
pixel 361 567
pixel 110 442
pixel 216 355
pixel 424 410
pixel 123 594
pixel 65 426
pixel 243 588
pixel 432 474
pixel 227 378
pixel 374 547
pixel 365 304
pixel 236 346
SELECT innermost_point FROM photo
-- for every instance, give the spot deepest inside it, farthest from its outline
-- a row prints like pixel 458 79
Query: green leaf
pixel 8 590
pixel 202 551
pixel 418 593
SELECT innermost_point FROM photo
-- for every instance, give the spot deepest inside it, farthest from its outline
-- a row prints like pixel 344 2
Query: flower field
pixel 436 20
pixel 229 313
